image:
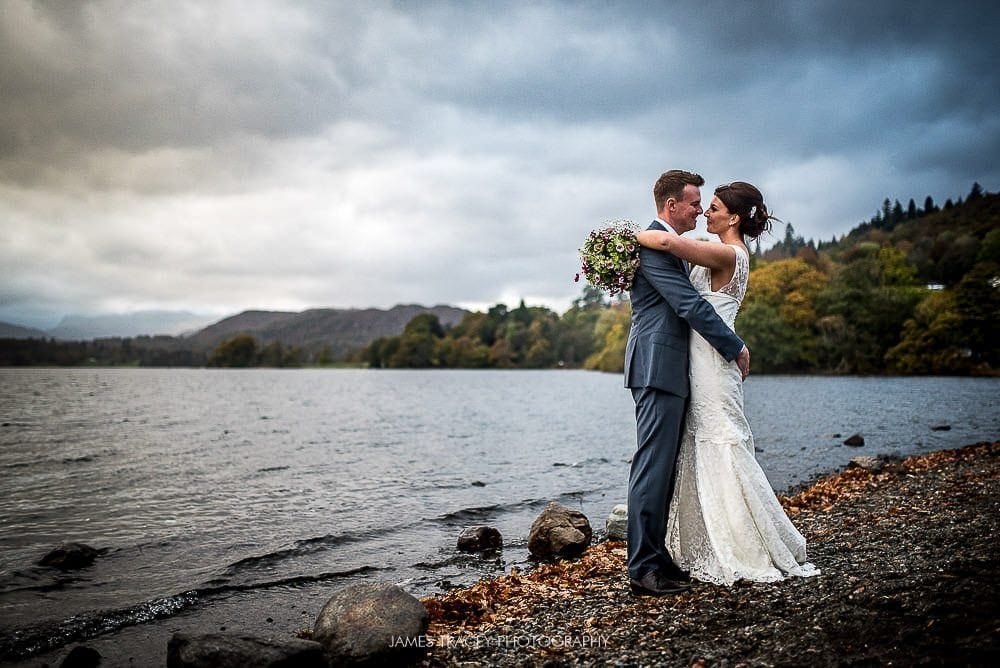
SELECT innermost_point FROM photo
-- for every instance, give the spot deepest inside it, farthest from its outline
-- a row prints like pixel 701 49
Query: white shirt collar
pixel 666 225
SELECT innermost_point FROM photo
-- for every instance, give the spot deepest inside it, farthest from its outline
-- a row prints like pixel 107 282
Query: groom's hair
pixel 671 184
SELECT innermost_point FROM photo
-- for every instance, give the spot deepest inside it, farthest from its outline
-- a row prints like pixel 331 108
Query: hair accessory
pixel 753 211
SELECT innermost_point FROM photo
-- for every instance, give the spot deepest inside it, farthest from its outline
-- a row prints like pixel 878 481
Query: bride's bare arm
pixel 705 253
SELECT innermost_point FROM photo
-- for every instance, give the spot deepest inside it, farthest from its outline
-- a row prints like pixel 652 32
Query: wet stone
pixel 479 539
pixel 70 557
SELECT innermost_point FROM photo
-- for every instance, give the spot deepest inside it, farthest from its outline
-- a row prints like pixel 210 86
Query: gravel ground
pixel 909 577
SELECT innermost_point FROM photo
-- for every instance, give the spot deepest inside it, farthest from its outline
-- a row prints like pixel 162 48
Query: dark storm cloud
pixel 267 153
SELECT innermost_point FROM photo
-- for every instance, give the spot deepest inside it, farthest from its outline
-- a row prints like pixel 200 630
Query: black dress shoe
pixel 656 584
pixel 677 575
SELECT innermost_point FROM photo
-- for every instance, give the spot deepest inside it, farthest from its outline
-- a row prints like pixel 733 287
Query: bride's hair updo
pixel 744 200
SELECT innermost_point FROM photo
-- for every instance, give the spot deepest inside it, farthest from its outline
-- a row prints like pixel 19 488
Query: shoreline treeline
pixel 913 290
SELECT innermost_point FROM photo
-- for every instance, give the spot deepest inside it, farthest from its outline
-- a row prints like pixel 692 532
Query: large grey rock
pixel 479 539
pixel 70 557
pixel 233 650
pixel 617 524
pixel 372 624
pixel 559 532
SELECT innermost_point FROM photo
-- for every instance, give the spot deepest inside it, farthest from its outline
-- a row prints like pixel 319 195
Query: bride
pixel 725 522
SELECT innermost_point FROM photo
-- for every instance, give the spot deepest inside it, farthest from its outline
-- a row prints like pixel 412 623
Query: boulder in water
pixel 857 440
pixel 70 557
pixel 479 539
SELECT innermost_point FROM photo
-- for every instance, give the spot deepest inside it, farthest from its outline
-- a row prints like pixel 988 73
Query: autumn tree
pixel 778 315
pixel 417 345
pixel 612 330
pixel 238 351
pixel 932 340
pixel 864 306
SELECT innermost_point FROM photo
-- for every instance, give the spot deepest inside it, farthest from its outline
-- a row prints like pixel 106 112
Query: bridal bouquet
pixel 610 256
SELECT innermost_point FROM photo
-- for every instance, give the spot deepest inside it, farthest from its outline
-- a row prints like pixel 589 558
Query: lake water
pixel 241 499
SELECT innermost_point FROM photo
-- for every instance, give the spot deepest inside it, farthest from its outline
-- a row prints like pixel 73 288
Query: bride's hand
pixel 743 362
pixel 655 239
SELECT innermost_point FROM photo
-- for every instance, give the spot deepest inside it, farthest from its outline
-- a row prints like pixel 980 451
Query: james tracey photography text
pixel 501 641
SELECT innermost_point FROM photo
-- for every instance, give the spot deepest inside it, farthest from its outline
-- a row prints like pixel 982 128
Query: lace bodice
pixel 701 277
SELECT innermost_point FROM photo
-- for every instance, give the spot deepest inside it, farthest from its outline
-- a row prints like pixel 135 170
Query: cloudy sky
pixel 215 156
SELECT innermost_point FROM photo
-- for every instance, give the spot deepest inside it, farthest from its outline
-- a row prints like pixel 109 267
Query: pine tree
pixel 897 213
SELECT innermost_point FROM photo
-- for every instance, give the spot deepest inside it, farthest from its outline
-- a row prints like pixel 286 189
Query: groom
pixel 665 307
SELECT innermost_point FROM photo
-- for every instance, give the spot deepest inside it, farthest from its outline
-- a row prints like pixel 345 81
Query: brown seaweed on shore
pixel 855 482
pixel 517 594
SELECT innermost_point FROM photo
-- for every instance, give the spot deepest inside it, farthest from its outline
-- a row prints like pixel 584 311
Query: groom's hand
pixel 743 362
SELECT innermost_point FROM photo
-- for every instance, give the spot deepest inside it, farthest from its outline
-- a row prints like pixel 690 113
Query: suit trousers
pixel 659 419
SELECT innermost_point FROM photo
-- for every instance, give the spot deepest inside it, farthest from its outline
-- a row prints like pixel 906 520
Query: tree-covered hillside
pixel 912 291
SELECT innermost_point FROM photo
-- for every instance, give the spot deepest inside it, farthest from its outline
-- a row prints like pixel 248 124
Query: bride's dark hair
pixel 744 200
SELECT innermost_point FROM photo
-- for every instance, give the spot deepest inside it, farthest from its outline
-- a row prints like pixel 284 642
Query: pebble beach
pixel 908 553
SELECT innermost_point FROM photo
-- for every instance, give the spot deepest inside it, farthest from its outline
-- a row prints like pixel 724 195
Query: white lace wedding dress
pixel 725 522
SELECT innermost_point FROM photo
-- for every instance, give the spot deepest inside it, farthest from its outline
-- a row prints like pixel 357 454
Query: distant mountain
pixel 334 333
pixel 338 330
pixel 247 322
pixel 9 331
pixel 124 325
